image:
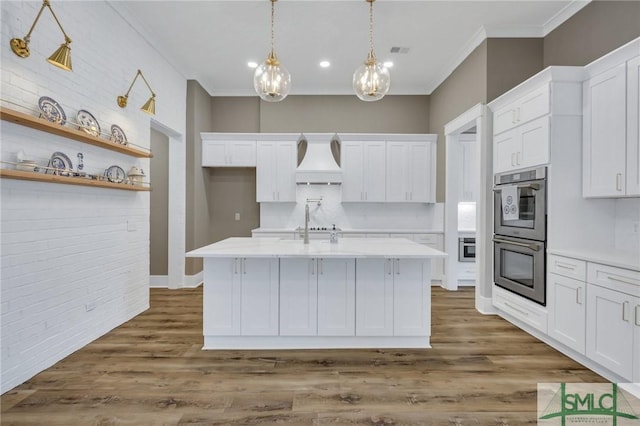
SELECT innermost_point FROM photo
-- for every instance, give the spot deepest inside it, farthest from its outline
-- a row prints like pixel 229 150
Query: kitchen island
pixel 268 293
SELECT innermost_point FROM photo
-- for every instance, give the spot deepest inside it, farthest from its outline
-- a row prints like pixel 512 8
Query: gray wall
pixel 159 216
pixel 510 61
pixel 595 30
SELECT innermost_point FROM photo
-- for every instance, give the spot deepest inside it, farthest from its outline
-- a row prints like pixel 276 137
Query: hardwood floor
pixel 151 370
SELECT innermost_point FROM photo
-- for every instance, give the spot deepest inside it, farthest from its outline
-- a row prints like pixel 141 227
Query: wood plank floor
pixel 151 370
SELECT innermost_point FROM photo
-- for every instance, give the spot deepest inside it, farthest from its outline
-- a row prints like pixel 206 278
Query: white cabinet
pixel 532 105
pixel 611 124
pixel 567 309
pixel 613 319
pixel 410 171
pixel 235 153
pixel 524 146
pixel 393 297
pixel 275 171
pixel 235 295
pixel 317 297
pixel 363 170
pixel 435 241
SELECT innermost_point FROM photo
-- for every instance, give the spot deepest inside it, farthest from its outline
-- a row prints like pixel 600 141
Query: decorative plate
pixel 51 110
pixel 117 135
pixel 88 123
pixel 115 174
pixel 61 163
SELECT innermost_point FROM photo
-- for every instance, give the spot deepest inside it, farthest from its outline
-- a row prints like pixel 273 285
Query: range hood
pixel 318 165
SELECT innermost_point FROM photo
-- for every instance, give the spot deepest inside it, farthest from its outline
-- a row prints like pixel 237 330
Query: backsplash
pixel 627 230
pixel 349 215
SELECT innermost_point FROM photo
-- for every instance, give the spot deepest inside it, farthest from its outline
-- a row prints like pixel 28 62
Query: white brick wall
pixel 74 259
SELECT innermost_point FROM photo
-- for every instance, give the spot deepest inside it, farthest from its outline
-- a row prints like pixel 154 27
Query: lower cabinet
pixel 393 297
pixel 235 295
pixel 567 311
pixel 317 297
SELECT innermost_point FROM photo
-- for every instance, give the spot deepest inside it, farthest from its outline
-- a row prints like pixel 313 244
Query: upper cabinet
pixel 411 171
pixel 228 150
pixel 276 170
pixel 363 170
pixel 388 168
pixel 611 156
pixel 523 118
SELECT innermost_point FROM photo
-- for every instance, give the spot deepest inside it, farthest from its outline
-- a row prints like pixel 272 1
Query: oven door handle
pixel 534 186
pixel 530 246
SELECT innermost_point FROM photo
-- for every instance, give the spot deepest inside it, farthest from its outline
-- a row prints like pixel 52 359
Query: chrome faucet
pixel 306 223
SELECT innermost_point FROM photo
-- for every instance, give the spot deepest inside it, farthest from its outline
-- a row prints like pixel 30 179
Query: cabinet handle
pixel 366 196
pixel 513 116
pixel 625 311
pixel 518 115
pixel 244 266
pixel 313 266
pixel 518 158
pixel 622 280
pixel 565 266
pixel 619 182
pixel 579 295
pixel 320 269
pixel 637 315
pixel 235 266
pixel 398 267
pixel 388 267
pixel 513 156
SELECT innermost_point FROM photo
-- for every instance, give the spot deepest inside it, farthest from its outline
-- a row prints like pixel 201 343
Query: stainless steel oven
pixel 519 266
pixel 520 232
pixel 531 217
pixel 467 249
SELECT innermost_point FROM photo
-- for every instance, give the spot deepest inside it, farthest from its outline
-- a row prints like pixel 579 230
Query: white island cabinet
pixel 268 293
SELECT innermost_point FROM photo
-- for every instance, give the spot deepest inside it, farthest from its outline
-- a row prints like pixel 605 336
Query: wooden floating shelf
pixel 68 180
pixel 41 124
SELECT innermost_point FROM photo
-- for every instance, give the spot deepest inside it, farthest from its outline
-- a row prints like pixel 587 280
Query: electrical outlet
pixel 237 216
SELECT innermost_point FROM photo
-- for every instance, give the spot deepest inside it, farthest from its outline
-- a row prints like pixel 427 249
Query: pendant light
pixel 371 80
pixel 271 80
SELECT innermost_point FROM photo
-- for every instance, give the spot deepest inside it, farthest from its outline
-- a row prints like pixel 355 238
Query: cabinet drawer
pixel 619 279
pixel 521 309
pixel 428 239
pixel 532 105
pixel 567 267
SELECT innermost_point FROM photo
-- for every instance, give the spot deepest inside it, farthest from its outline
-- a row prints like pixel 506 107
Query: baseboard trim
pixel 484 305
pixel 193 281
pixel 158 281
pixel 162 281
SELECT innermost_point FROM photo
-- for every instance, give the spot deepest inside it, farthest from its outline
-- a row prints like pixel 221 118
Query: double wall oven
pixel 520 232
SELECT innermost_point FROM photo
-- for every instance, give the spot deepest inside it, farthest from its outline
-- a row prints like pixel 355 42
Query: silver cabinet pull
pixel 531 246
pixel 625 311
pixel 244 266
pixel 235 266
pixel 320 264
pixel 622 280
pixel 565 266
pixel 398 267
pixel 387 266
pixel 637 314
pixel 312 263
pixel 518 158
pixel 619 182
pixel 579 295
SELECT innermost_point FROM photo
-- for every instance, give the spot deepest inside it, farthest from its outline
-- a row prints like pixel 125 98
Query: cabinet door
pixel 374 171
pixel 351 160
pixel 336 297
pixel 633 127
pixel 374 297
pixel 214 153
pixel 610 329
pixel 534 143
pixel 533 105
pixel 242 153
pixel 286 160
pixel 604 139
pixel 397 163
pixel 566 306
pixel 505 147
pixel 504 119
pixel 422 168
pixel 411 298
pixel 259 297
pixel 298 297
pixel 221 297
pixel 266 172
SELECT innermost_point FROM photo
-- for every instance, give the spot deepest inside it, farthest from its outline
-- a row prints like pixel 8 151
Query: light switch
pixel 237 216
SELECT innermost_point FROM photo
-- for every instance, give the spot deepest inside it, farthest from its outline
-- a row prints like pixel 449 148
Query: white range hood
pixel 318 165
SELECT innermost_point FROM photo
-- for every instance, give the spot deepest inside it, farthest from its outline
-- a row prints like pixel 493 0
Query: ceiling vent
pixel 397 49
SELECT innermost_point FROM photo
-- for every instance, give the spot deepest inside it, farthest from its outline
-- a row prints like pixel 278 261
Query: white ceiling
pixel 212 41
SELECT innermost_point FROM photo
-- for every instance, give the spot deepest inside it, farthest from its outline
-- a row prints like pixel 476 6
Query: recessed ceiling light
pixel 325 64
pixel 252 64
pixel 388 64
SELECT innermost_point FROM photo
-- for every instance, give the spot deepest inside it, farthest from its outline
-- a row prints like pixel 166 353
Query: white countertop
pixel 359 231
pixel 617 259
pixel 344 248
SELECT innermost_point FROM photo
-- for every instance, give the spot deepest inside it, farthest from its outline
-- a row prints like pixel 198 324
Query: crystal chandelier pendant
pixel 371 80
pixel 272 81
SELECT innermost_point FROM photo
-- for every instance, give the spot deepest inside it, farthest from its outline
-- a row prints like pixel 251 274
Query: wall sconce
pixel 150 106
pixel 61 58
